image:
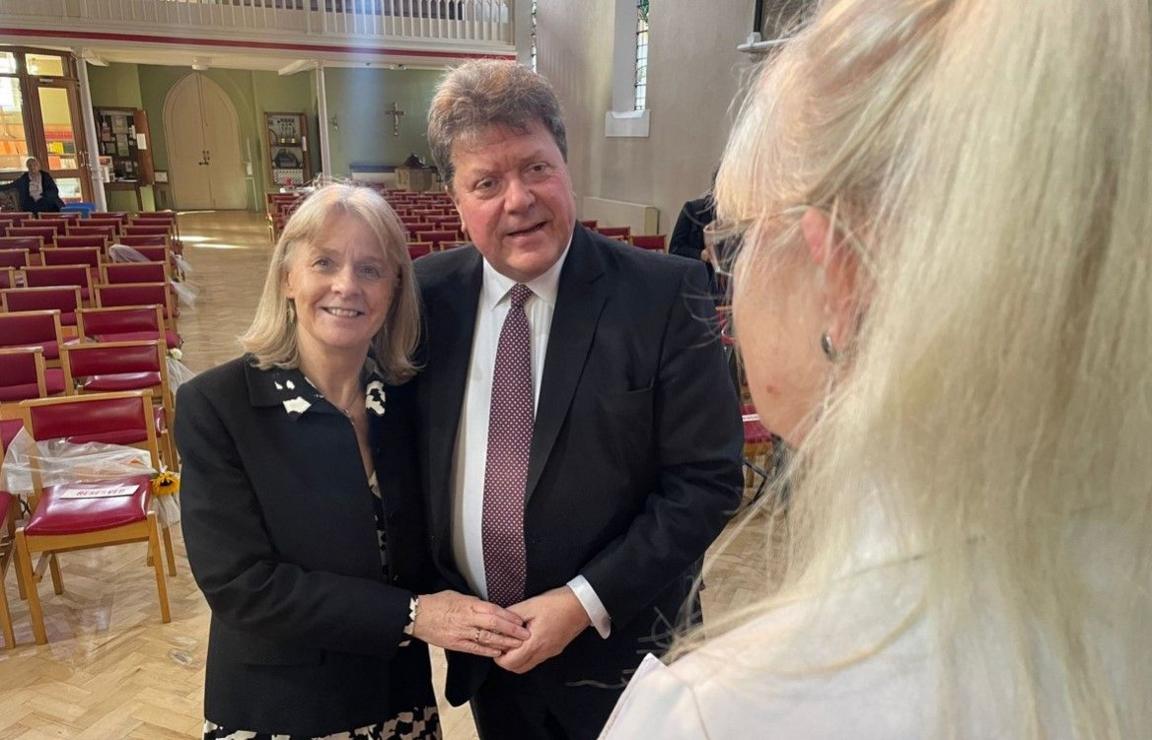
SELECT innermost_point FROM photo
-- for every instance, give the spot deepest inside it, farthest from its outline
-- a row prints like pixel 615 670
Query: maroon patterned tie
pixel 510 423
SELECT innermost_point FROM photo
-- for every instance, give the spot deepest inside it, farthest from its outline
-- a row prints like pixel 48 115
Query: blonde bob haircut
pixel 271 338
pixel 990 164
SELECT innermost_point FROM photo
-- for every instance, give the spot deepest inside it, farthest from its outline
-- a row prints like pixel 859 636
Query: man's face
pixel 514 197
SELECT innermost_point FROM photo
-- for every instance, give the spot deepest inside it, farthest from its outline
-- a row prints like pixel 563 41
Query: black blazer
pixel 280 530
pixel 49 198
pixel 636 450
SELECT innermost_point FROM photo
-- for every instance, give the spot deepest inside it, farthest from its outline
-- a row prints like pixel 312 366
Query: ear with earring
pixel 829 349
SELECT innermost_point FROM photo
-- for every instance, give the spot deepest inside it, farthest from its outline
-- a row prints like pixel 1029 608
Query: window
pixel 43 65
pixel 640 85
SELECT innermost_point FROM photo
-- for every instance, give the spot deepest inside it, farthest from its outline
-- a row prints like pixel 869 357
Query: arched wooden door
pixel 205 168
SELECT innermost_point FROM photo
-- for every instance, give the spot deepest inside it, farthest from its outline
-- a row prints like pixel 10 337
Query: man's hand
pixel 554 619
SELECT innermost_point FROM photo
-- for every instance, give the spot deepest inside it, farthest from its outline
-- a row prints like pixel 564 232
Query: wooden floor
pixel 111 669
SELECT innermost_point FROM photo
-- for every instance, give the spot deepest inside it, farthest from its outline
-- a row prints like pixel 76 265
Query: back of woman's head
pixel 990 164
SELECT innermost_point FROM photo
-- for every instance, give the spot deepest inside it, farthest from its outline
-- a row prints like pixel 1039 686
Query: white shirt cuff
pixel 592 604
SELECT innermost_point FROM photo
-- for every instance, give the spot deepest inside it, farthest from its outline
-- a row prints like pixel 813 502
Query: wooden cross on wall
pixel 396 113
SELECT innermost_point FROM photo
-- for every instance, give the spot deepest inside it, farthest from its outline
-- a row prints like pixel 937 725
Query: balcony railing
pixel 486 22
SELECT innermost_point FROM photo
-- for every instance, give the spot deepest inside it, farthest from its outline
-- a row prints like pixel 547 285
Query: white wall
pixel 694 74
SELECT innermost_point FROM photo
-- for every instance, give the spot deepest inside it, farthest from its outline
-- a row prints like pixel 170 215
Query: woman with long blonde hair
pixel 945 306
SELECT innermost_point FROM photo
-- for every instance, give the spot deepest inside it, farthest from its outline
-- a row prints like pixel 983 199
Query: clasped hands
pixel 518 638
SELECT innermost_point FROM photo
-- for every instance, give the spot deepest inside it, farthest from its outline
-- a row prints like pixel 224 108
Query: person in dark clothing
pixel 36 189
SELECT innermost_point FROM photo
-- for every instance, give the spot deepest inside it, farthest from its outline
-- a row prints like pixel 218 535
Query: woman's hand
pixel 466 624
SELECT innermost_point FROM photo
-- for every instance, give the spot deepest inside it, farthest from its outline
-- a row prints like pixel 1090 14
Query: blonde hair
pixel 990 164
pixel 272 336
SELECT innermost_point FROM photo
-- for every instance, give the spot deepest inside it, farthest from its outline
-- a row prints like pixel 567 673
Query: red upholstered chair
pixel 417 250
pixel 150 230
pixel 58 216
pixel 27 329
pixel 87 228
pixel 121 216
pixel 46 231
pixel 63 298
pixel 135 272
pixel 103 367
pixel 102 219
pixel 31 244
pixel 17 257
pixel 125 324
pixel 155 248
pixel 615 232
pixel 439 237
pixel 53 275
pixel 159 218
pixel 60 255
pixel 589 223
pixel 73 516
pixel 654 243
pixel 15 218
pixel 7 277
pixel 452 245
pixel 139 294
pixel 23 375
pixel 98 241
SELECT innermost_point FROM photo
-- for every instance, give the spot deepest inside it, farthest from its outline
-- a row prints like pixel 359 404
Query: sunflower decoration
pixel 166 484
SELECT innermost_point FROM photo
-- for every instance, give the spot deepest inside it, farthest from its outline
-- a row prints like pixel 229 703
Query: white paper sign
pixel 141 141
pixel 98 492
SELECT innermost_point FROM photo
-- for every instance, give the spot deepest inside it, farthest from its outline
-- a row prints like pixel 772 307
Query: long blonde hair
pixel 272 336
pixel 992 164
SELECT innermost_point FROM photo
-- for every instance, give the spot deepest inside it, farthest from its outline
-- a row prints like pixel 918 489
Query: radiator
pixel 641 218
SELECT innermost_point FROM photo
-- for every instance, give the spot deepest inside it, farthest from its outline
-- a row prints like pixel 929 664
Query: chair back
pixel 160 230
pixel 101 219
pixel 32 329
pixel 99 241
pixel 64 298
pixel 59 216
pixel 15 218
pixel 31 244
pixel 47 232
pixel 7 277
pixel 135 272
pixel 589 223
pixel 123 418
pixel 92 323
pixel 85 228
pixel 655 243
pixel 615 232
pixel 137 294
pixel 417 250
pixel 119 216
pixel 13 257
pixel 438 237
pixel 139 365
pixel 139 242
pixel 61 255
pixel 22 374
pixel 48 275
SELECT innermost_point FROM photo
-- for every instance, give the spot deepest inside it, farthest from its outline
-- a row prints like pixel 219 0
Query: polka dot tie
pixel 510 423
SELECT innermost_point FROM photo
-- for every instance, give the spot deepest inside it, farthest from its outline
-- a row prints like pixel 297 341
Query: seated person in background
pixel 36 189
pixel 301 499
pixel 944 302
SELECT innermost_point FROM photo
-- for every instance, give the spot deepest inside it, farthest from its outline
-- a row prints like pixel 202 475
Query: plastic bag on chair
pixel 178 373
pixel 60 461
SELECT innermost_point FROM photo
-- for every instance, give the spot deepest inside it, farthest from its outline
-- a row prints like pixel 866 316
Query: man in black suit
pixel 580 440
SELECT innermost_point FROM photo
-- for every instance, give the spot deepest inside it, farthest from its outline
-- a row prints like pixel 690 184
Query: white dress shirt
pixel 471 455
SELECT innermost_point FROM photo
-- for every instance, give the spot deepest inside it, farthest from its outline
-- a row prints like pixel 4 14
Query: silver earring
pixel 830 350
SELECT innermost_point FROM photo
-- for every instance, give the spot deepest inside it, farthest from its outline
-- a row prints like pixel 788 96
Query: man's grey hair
pixel 484 93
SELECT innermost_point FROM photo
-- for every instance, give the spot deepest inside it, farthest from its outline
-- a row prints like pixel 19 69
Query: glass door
pixel 63 141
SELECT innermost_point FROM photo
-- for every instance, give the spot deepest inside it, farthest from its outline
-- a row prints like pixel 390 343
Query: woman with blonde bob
pixel 301 504
pixel 945 307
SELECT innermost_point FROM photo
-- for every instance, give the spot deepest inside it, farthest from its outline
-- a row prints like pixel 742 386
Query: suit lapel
pixel 580 299
pixel 451 312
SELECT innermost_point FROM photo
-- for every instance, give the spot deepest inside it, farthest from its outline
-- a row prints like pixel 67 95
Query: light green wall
pixel 118 86
pixel 358 99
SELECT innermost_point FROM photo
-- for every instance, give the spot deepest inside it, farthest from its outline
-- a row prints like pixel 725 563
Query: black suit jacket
pixel 635 460
pixel 281 536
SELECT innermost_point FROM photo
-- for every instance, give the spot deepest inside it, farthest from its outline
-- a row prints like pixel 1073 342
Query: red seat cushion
pixel 68 318
pixel 56 515
pixel 121 381
pixel 9 428
pixel 54 380
pixel 171 338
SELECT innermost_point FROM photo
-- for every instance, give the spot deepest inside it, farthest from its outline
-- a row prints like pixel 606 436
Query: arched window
pixel 641 84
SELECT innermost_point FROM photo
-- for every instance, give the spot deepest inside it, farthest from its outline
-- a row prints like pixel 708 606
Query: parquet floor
pixel 111 669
